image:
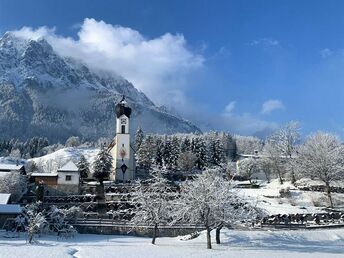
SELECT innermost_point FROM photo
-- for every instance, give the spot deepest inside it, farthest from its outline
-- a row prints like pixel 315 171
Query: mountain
pixel 45 94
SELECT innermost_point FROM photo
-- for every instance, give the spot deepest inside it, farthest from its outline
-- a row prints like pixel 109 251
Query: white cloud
pixel 271 105
pixel 230 107
pixel 156 66
pixel 265 42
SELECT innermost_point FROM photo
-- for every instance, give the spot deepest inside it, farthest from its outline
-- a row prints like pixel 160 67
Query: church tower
pixel 120 149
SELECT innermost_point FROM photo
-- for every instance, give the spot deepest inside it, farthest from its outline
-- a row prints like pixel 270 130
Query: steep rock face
pixel 42 93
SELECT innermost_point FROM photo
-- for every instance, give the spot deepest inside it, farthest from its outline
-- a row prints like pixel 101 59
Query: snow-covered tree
pixel 248 167
pixel 264 165
pixel 209 200
pixel 186 161
pixel 248 144
pixel 145 155
pixel 215 151
pixel 139 136
pixel 102 166
pixel 72 141
pixel 83 167
pixel 198 147
pixel 15 184
pixel 36 220
pixel 158 157
pixel 322 157
pixel 152 201
pixel 285 141
pixel 276 160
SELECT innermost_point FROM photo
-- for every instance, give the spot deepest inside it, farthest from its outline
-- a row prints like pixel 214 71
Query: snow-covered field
pixel 268 198
pixel 257 244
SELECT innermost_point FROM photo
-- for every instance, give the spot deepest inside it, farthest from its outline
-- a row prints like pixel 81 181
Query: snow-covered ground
pixel 258 244
pixel 268 198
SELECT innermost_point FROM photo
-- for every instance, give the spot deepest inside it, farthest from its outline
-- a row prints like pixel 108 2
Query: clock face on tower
pixel 123 121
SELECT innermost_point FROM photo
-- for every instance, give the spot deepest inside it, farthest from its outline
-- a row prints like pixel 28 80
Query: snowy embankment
pixel 58 158
pixel 258 244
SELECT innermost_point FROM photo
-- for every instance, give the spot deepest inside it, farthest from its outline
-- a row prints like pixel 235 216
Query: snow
pixel 44 174
pixel 62 156
pixel 4 198
pixel 268 198
pixel 243 244
pixel 9 167
pixel 69 166
pixel 10 209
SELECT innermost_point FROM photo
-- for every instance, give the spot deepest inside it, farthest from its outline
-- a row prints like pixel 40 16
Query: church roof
pixel 123 109
pixel 68 167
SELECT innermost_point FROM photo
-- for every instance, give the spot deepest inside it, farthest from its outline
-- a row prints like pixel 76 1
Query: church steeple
pixel 121 153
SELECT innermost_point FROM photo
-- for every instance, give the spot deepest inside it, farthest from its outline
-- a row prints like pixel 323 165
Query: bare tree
pixel 275 159
pixel 322 157
pixel 152 201
pixel 247 168
pixel 15 184
pixel 284 141
pixel 248 144
pixel 209 200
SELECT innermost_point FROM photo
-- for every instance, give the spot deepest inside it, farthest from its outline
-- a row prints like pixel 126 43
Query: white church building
pixel 120 148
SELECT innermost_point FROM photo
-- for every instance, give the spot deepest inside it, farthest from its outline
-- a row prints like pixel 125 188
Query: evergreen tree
pixel 159 152
pixel 102 165
pixel 175 152
pixel 215 153
pixel 198 147
pixel 167 153
pixel 83 167
pixel 145 154
pixel 139 136
pixel 185 145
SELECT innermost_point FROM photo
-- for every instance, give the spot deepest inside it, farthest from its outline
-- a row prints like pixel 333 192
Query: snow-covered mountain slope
pixel 42 93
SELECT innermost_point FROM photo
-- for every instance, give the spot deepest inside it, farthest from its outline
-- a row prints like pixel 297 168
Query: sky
pixel 245 67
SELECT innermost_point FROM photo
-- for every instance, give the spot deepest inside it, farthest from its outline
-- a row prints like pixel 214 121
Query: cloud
pixel 265 42
pixel 326 52
pixel 271 105
pixel 157 66
pixel 230 107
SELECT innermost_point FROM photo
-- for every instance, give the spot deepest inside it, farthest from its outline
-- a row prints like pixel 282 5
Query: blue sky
pixel 286 54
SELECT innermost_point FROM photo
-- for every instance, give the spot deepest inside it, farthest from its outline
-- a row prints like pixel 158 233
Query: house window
pixel 123 129
pixel 68 178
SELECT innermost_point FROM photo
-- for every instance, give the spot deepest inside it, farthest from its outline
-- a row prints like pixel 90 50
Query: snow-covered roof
pixel 68 167
pixel 10 209
pixel 4 198
pixel 44 174
pixel 9 167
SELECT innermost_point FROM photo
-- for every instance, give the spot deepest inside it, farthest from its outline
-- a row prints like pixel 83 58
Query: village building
pixel 66 179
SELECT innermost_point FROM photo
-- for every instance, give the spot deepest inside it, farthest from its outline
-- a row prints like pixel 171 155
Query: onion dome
pixel 122 108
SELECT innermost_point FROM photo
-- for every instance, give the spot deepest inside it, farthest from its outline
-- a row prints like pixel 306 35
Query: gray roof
pixel 10 209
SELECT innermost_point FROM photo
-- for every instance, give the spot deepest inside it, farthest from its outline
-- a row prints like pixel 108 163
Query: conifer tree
pixel 145 154
pixel 102 166
pixel 83 167
pixel 139 136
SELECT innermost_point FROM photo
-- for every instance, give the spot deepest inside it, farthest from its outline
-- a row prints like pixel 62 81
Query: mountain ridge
pixel 45 94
